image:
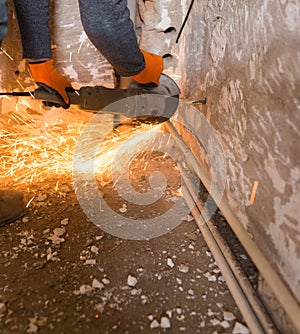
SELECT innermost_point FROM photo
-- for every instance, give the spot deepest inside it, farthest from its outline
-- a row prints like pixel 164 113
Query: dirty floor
pixel 60 273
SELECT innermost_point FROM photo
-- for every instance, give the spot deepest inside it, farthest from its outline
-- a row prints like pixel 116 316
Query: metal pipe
pixel 234 287
pixel 272 278
pixel 238 272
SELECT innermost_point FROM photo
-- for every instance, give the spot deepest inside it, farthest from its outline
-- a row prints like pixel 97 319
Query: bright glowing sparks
pixel 44 150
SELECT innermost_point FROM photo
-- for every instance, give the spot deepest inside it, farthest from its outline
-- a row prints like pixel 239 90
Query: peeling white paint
pixel 218 44
pixel 278 182
pixel 165 22
pixel 285 232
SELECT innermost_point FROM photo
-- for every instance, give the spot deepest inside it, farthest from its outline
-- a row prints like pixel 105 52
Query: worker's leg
pixel 108 25
pixel 33 17
pixel 12 206
pixel 3 19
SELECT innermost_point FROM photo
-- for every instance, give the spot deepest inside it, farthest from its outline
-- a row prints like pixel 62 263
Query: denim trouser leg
pixel 3 19
pixel 33 17
pixel 107 24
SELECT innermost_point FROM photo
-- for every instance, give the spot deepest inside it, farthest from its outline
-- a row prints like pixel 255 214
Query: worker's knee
pixel 101 19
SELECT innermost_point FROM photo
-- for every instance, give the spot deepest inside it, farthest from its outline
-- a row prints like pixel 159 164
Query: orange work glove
pixel 46 76
pixel 152 71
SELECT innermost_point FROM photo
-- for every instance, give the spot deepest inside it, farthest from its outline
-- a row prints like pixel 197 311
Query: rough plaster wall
pixel 244 57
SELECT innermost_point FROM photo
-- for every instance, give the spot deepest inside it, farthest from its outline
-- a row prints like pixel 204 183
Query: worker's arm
pixel 33 18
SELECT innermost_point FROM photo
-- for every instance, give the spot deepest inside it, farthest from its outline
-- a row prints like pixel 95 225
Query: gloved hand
pixel 152 71
pixel 45 75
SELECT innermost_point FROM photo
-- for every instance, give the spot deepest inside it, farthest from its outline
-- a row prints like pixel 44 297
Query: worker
pixel 108 25
pixel 12 203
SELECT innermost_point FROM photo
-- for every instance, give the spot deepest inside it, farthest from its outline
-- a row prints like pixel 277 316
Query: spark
pixel 80 46
pixel 6 53
pixel 20 84
pixel 34 150
pixel 29 202
pixel 253 193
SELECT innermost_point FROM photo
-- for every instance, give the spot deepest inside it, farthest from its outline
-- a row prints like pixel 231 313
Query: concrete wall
pixel 244 58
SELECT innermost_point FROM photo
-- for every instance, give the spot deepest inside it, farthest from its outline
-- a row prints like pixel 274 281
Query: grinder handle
pixel 42 94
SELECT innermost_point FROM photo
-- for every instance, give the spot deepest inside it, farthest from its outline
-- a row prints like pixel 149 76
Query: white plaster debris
pixel 240 329
pixel 94 249
pixel 169 313
pixel 215 322
pixel 56 240
pixel 35 323
pixel 85 289
pixel 208 253
pixel 179 281
pixel 144 299
pixel 151 317
pixel 135 292
pixel 187 218
pixel 170 263
pixel 60 231
pixel 210 313
pixel 131 281
pixel 229 316
pixel 191 292
pixel 2 309
pixel 33 328
pixel 97 285
pixel 178 310
pixel 65 221
pixel 99 237
pixel 154 324
pixel 52 256
pixel 165 323
pixel 225 324
pixel 100 307
pixel 210 277
pixel 46 231
pixel 25 220
pixel 183 268
pixel 221 279
pixel 105 281
pixel 90 262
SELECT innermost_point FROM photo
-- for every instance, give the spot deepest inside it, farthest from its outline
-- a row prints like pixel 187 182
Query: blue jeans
pixel 106 22
pixel 3 19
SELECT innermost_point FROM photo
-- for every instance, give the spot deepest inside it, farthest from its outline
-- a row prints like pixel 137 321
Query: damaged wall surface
pixel 244 58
